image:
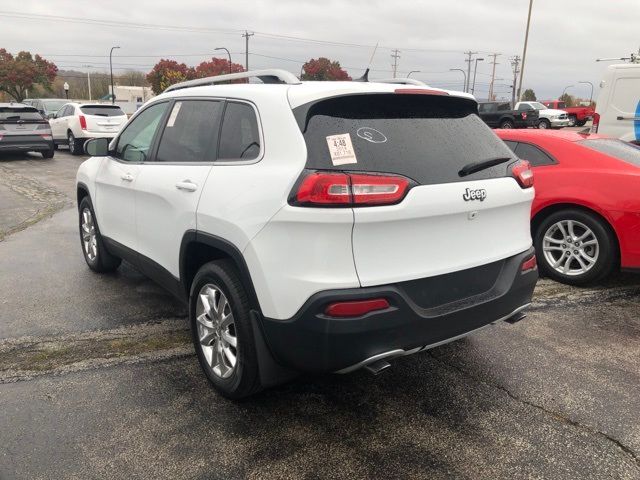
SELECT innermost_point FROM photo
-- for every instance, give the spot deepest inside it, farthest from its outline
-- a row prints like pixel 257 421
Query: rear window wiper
pixel 482 165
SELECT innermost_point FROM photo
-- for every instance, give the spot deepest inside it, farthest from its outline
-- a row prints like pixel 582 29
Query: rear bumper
pixel 313 342
pixel 26 144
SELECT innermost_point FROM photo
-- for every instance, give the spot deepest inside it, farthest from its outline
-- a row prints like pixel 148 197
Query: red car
pixel 577 115
pixel 585 219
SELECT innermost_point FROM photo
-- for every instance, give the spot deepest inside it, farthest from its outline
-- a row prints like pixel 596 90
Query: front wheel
pixel 575 247
pixel 544 124
pixel 93 249
pixel 506 124
pixel 572 120
pixel 222 331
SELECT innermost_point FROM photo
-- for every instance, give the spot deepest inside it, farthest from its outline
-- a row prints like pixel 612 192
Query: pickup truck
pixel 549 117
pixel 577 115
pixel 500 115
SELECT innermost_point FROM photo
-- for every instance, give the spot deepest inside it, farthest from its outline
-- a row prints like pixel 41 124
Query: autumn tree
pixel 217 66
pixel 168 72
pixel 323 69
pixel 20 73
pixel 529 95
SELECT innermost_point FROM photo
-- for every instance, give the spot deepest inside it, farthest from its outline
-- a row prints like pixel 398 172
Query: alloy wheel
pixel 216 331
pixel 570 247
pixel 89 240
pixel 72 144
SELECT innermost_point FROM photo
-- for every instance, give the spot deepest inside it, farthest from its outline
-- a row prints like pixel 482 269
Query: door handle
pixel 187 185
pixel 628 118
pixel 127 177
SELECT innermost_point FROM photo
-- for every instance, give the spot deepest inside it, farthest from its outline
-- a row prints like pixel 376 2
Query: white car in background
pixel 549 117
pixel 75 123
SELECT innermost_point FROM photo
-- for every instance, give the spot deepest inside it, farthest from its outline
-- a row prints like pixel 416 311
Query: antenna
pixel 632 58
pixel 365 75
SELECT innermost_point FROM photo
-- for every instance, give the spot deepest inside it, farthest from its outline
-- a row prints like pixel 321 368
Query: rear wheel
pixel 75 145
pixel 582 123
pixel 222 331
pixel 506 124
pixel 572 120
pixel 544 124
pixel 48 153
pixel 575 247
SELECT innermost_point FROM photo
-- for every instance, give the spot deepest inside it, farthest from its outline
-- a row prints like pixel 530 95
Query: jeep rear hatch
pixel 440 181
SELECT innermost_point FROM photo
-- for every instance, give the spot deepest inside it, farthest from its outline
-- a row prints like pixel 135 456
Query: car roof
pixel 300 93
pixel 16 105
pixel 534 134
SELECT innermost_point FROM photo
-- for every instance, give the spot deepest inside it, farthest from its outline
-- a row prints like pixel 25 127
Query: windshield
pixel 52 106
pixel 537 105
pixel 615 148
pixel 15 114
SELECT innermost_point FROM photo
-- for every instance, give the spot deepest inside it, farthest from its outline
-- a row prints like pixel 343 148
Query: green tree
pixel 569 100
pixel 529 95
pixel 20 73
pixel 323 69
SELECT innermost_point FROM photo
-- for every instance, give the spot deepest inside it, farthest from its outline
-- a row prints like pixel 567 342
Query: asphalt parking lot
pixel 98 379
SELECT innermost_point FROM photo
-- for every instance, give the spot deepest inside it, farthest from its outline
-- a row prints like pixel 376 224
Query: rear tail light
pixel 349 189
pixel 521 171
pixel 356 308
pixel 529 264
pixel 47 136
pixel 596 123
pixel 524 116
pixel 83 122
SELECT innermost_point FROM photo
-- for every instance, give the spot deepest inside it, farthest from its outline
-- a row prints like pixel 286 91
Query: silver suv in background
pixel 24 129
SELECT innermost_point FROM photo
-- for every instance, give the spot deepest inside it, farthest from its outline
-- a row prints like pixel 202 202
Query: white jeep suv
pixel 313 226
pixel 75 123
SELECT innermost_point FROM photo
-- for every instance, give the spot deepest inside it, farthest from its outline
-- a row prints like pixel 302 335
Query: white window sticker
pixel 174 114
pixel 341 149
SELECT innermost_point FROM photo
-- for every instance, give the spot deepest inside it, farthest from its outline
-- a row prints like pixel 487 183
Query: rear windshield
pixel 102 110
pixel 615 148
pixel 427 138
pixel 24 113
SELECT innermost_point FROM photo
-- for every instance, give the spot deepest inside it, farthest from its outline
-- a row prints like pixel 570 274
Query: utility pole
pixel 524 51
pixel 395 54
pixel 493 74
pixel 515 63
pixel 246 36
pixel 88 80
pixel 469 54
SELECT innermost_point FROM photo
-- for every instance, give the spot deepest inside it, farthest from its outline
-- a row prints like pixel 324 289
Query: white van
pixel 618 106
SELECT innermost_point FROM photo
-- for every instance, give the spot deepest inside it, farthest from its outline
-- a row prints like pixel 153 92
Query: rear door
pixel 168 187
pixel 103 119
pixel 447 222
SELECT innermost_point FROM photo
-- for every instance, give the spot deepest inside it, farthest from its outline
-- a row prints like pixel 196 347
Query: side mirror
pixel 97 147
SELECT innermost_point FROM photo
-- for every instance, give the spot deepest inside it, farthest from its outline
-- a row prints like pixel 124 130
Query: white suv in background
pixel 75 123
pixel 313 226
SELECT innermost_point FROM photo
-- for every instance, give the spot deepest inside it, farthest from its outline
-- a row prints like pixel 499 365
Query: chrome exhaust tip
pixel 377 367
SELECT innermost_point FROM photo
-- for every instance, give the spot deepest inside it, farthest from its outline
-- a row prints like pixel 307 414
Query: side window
pixel 135 140
pixel 512 145
pixel 240 138
pixel 533 155
pixel 191 132
pixel 504 106
pixel 69 111
pixel 524 106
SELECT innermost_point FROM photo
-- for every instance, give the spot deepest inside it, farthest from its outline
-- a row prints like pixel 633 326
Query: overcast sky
pixel 565 39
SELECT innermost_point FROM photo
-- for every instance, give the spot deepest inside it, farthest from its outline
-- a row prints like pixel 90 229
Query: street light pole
pixel 88 80
pixel 113 95
pixel 464 74
pixel 565 90
pixel 591 94
pixel 412 71
pixel 524 51
pixel 66 89
pixel 475 69
pixel 228 54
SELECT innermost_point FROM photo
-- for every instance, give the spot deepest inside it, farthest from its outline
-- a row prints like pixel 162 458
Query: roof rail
pixel 267 76
pixel 401 81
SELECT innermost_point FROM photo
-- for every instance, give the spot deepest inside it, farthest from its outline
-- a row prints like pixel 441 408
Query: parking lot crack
pixel 555 415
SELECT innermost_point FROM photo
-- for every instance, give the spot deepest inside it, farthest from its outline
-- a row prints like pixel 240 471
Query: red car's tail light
pixel 529 264
pixel 83 122
pixel 521 171
pixel 349 189
pixel 356 308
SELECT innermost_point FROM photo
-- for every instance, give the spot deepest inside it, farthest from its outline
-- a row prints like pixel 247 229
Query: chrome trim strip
pixel 400 352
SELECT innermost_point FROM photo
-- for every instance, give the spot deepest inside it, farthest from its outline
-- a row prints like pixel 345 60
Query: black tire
pixel 55 146
pixel 581 123
pixel 506 123
pixel 76 146
pixel 244 379
pixel 572 120
pixel 48 153
pixel 606 243
pixel 103 260
pixel 544 124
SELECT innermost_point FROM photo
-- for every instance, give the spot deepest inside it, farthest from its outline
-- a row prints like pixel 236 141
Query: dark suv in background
pixel 24 129
pixel 501 115
pixel 46 106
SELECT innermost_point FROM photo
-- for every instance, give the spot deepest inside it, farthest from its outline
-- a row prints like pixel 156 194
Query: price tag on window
pixel 341 149
pixel 174 114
